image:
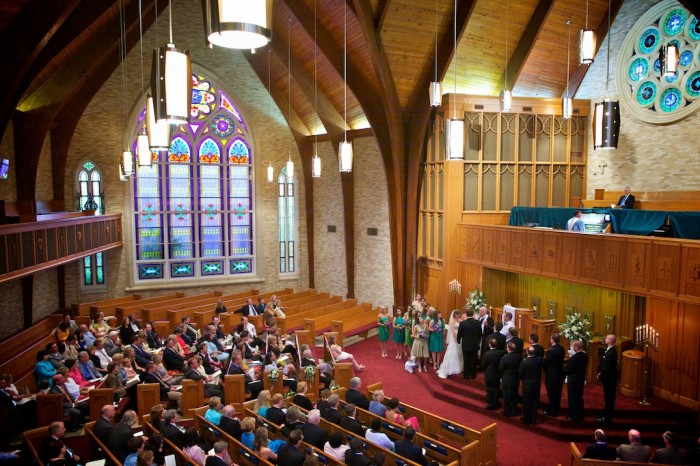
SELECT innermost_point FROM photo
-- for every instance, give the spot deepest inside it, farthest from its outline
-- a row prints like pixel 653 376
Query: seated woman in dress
pixel 264 447
pixel 376 405
pixel 247 436
pixel 341 356
pixel 191 448
pixel 75 374
pixel 213 414
pixel 262 403
pixel 99 327
pixel 220 308
pixel 393 415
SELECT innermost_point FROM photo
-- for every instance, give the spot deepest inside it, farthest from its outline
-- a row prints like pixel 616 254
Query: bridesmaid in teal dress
pixel 384 324
pixel 436 342
pixel 399 333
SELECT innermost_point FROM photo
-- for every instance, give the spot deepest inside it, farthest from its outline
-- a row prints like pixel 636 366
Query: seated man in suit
pixel 635 451
pixel 290 453
pixel 166 391
pixel 170 430
pixel 670 454
pixel 349 423
pixel 248 309
pixel 230 424
pixel 122 433
pixel 354 456
pixel 331 413
pixel 626 200
pixel 221 455
pixel 313 434
pixel 408 449
pixel 210 389
pixel 171 358
pixel 104 426
pixel 355 396
pixel 600 450
pixel 254 387
pixel 77 411
pixel 57 430
pixel 300 399
pixel 275 413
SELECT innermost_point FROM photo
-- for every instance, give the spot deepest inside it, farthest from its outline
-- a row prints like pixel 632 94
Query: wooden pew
pixel 147 396
pixel 83 309
pixel 296 320
pixel 33 439
pixel 648 200
pixel 124 309
pixel 181 458
pixel 49 408
pixel 192 396
pixel 97 448
pixel 98 398
pixel 577 459
pixel 240 454
pixel 440 428
pixel 234 390
pixel 159 311
pixel 175 312
pixel 358 323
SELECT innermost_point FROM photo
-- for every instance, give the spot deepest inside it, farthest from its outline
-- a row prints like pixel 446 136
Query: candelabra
pixel 646 337
pixel 456 289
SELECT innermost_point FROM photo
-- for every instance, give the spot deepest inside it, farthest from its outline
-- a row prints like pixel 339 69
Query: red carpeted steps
pixel 652 420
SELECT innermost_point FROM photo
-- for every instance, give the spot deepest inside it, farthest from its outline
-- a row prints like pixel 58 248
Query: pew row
pixel 577 459
pixel 83 309
pixel 98 449
pixel 180 457
pixel 157 310
pixel 440 428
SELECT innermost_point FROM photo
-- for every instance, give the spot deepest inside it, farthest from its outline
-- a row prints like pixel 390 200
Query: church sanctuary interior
pixel 168 167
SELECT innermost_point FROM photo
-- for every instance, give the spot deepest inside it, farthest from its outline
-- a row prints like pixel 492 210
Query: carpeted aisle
pixel 517 446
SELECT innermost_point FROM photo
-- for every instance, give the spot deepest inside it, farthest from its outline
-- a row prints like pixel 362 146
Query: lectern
pixel 632 381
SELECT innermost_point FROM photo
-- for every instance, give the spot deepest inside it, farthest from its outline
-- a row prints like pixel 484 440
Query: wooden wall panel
pixel 635 274
pixel 427 281
pixel 612 260
pixel 503 253
pixel 665 267
pixel 688 360
pixel 552 253
pixel 570 260
pixel 475 244
pixel 518 249
pixel 489 241
pixel 690 270
pixel 535 253
pixel 592 258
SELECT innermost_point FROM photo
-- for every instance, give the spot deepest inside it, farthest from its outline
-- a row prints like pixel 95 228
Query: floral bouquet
pixel 423 334
pixel 309 373
pixel 273 376
pixel 476 299
pixel 576 327
pixel 387 324
pixel 437 327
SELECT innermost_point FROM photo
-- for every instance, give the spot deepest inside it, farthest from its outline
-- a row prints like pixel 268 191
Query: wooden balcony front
pixel 26 248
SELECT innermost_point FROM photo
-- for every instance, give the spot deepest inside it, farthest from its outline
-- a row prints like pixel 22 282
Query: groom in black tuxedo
pixel 469 336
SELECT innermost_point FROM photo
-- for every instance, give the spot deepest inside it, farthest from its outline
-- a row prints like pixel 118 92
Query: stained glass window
pixel 193 208
pixel 90 197
pixel 286 216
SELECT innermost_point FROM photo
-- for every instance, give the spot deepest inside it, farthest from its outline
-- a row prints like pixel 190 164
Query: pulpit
pixel 543 328
pixel 632 381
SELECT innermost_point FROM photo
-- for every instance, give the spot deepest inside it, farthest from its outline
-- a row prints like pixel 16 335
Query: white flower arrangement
pixel 273 376
pixel 309 373
pixel 476 299
pixel 576 327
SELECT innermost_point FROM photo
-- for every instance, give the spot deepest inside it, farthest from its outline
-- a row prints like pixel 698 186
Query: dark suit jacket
pixel 539 350
pixel 214 461
pixel 670 455
pixel 530 372
pixel 322 405
pixel 118 442
pixel 600 451
pixel 553 364
pixel 411 451
pixel 519 344
pixel 352 425
pixel 172 360
pixel 500 340
pixel 231 426
pixel 332 415
pixel 508 369
pixel 103 430
pixel 608 365
pixel 275 415
pixel 357 398
pixel 164 386
pixel 576 368
pixel 356 459
pixel 489 364
pixel 304 402
pixel 629 204
pixel 469 334
pixel 142 357
pixel 289 455
pixel 314 435
pixel 245 310
pixel 172 433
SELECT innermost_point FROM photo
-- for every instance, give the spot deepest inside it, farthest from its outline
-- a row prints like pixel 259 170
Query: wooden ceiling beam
pixel 600 33
pixel 325 109
pixel 383 10
pixel 692 5
pixel 526 44
pixel 22 42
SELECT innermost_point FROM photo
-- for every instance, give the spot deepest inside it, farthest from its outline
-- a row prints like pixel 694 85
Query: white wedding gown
pixel 452 362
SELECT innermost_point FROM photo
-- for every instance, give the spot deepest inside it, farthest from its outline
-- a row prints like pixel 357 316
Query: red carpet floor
pixel 517 446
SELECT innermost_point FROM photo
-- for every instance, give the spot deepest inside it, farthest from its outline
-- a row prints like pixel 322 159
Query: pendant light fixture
pixel 316 160
pixel 345 153
pixel 122 176
pixel 290 164
pixel 606 116
pixel 270 169
pixel 143 149
pixel 587 42
pixel 127 158
pixel 158 132
pixel 435 90
pixel 454 128
pixel 171 81
pixel 668 57
pixel 566 102
pixel 506 96
pixel 238 25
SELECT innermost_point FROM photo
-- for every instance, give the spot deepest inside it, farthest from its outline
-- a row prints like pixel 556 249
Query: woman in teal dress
pixel 436 342
pixel 384 323
pixel 399 334
pixel 409 321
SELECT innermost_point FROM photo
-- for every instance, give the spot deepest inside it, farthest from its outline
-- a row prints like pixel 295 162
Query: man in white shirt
pixel 507 323
pixel 376 436
pixel 101 353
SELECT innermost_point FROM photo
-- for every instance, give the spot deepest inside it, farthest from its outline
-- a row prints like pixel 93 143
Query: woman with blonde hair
pixel 262 403
pixel 247 436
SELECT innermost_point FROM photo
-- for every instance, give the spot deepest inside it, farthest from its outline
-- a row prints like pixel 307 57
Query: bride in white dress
pixel 452 362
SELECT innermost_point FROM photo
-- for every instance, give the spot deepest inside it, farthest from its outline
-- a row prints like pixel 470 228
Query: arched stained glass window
pixel 193 208
pixel 286 216
pixel 90 197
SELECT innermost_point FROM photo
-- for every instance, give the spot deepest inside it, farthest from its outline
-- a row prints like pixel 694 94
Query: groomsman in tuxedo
pixel 576 372
pixel 489 363
pixel 510 380
pixel 469 336
pixel 554 375
pixel 530 372
pixel 607 374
